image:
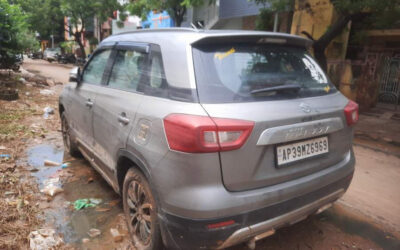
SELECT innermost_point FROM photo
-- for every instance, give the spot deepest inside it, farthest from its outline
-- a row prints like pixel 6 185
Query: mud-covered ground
pixel 367 217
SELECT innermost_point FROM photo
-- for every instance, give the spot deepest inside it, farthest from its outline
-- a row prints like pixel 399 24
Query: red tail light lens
pixel 351 113
pixel 200 134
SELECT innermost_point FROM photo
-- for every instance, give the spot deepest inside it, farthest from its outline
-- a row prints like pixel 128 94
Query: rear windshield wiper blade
pixel 292 87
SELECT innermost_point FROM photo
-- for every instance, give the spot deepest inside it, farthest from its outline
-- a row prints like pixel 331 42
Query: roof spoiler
pixel 257 38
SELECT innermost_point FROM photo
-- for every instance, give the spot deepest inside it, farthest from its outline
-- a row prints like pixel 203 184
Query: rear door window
pixel 128 70
pixel 257 72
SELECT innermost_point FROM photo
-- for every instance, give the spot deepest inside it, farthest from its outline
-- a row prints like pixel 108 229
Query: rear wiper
pixel 292 87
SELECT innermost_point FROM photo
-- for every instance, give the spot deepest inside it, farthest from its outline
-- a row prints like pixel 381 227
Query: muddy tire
pixel 69 144
pixel 140 211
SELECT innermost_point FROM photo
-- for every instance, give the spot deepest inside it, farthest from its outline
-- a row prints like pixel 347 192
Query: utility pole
pixel 52 41
pixel 276 21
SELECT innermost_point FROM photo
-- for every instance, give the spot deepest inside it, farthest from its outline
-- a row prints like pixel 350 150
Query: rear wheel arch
pixel 127 160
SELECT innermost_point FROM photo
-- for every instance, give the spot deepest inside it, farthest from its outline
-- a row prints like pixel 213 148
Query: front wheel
pixel 141 211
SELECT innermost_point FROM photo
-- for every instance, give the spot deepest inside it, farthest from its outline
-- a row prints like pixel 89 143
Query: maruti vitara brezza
pixel 212 138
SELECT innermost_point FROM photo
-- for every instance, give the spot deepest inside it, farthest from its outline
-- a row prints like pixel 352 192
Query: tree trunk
pixel 177 14
pixel 77 36
pixel 322 43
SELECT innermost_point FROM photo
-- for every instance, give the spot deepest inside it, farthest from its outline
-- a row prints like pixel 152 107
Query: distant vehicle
pixel 36 55
pixel 50 54
pixel 66 58
pixel 212 138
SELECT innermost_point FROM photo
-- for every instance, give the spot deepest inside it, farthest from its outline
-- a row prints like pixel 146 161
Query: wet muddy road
pixel 340 227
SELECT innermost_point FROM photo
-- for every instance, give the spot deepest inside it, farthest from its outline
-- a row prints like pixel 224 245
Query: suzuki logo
pixel 305 107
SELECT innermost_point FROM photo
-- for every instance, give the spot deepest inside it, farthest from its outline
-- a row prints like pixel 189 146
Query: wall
pixel 315 17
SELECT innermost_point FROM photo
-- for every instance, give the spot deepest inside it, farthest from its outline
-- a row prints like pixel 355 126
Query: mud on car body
pixel 212 138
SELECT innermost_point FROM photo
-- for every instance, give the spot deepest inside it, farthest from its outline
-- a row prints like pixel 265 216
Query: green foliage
pixel 175 8
pixel 68 46
pixel 80 11
pixel 14 34
pixel 27 41
pixel 265 20
pixel 93 41
pixel 43 16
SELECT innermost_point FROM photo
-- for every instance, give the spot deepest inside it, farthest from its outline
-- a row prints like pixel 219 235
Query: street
pixel 366 217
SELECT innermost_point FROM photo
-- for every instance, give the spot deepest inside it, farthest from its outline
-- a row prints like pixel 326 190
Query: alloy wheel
pixel 139 212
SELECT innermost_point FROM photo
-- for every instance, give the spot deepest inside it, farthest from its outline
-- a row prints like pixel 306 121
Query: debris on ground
pixel 85 203
pixel 90 180
pixel 5 156
pixel 85 240
pixel 50 163
pixel 52 187
pixel 47 111
pixel 116 235
pixel 94 232
pixel 45 238
pixel 103 209
pixel 64 165
pixel 3 148
pixel 46 92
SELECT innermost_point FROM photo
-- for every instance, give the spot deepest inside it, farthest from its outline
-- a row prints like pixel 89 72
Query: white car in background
pixel 50 54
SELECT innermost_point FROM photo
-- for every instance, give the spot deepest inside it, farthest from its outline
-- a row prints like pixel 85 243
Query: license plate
pixel 301 150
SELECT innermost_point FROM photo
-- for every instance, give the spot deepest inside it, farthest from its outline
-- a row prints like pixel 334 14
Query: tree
pixel 175 8
pixel 12 26
pixel 376 13
pixel 80 12
pixel 43 16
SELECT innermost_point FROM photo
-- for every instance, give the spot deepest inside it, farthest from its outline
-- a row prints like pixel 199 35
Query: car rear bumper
pixel 183 233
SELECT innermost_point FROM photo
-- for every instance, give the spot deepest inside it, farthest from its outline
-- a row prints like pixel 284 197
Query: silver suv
pixel 212 138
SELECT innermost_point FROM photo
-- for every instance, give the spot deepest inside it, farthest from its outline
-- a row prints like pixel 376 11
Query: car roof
pixel 175 45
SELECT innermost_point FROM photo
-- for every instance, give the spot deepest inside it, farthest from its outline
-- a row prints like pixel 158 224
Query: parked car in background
pixel 50 54
pixel 36 54
pixel 212 138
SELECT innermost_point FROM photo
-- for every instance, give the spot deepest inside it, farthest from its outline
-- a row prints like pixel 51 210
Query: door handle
pixel 123 119
pixel 89 103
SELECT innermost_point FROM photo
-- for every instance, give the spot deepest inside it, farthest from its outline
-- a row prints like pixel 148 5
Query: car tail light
pixel 351 113
pixel 201 134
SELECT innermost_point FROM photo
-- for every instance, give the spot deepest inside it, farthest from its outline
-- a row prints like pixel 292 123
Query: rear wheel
pixel 69 145
pixel 141 212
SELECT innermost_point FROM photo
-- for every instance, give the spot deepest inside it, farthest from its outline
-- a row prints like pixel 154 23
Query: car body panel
pixel 254 165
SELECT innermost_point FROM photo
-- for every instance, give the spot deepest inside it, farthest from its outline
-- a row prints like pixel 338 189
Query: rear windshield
pixel 254 72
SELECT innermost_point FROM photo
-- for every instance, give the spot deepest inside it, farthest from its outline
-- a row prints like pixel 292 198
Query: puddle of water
pixel 60 214
pixel 36 157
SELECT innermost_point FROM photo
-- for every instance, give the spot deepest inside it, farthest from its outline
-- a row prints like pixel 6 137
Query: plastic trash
pixel 46 92
pixel 5 156
pixel 116 235
pixel 47 111
pixel 93 232
pixel 44 239
pixel 50 163
pixel 85 203
pixel 52 187
pixel 64 165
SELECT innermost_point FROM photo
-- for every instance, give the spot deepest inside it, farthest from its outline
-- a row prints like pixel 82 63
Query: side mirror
pixel 75 75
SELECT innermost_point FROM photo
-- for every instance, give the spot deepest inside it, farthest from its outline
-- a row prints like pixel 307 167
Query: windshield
pixel 254 72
